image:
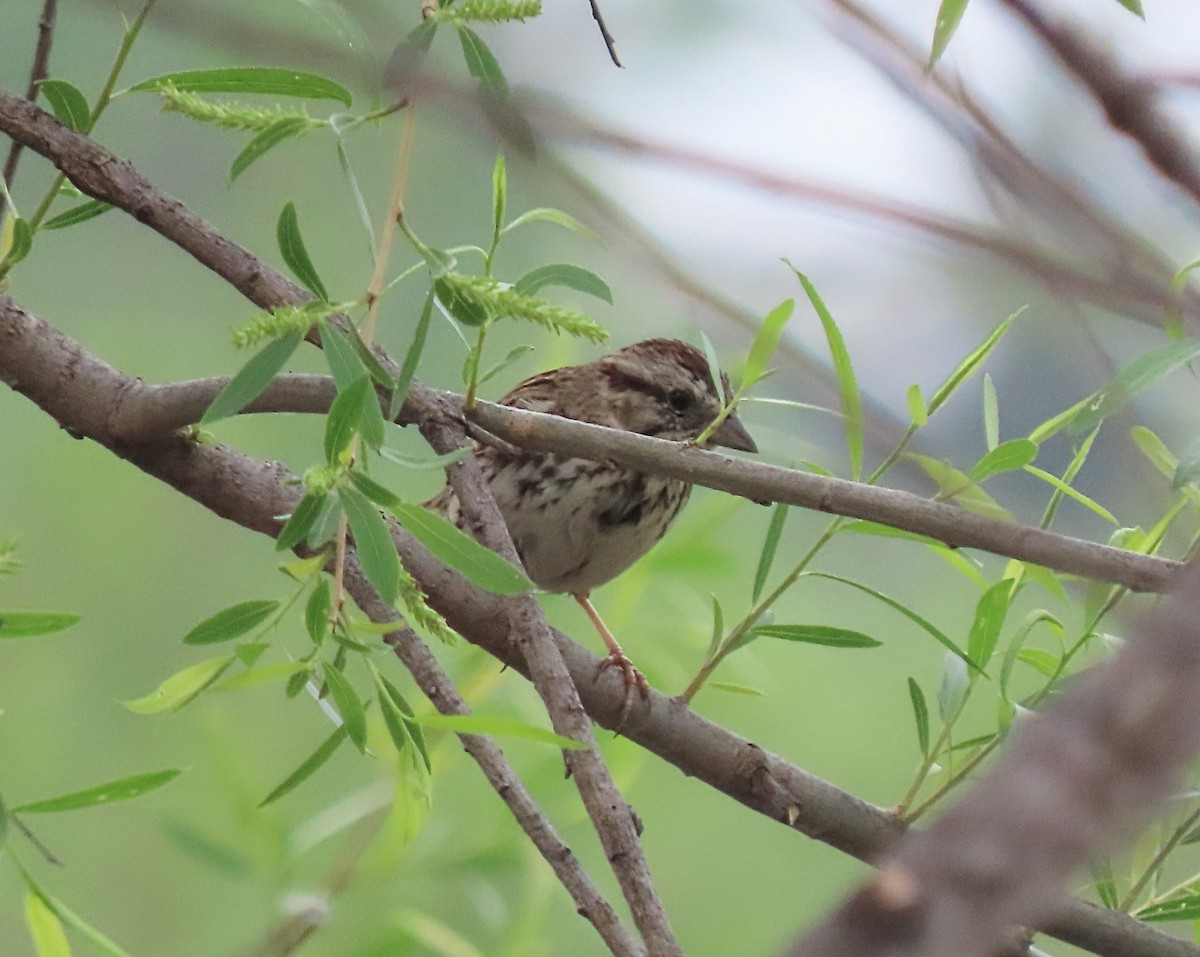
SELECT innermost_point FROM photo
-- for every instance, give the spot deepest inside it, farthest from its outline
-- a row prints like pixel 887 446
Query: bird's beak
pixel 733 435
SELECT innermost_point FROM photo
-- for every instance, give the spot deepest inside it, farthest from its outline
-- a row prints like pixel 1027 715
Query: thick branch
pixel 1077 783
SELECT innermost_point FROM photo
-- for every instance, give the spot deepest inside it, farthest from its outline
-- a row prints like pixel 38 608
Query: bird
pixel 577 524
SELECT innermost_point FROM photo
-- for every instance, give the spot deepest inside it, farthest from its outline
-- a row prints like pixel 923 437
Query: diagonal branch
pixel 1077 783
pixel 1130 102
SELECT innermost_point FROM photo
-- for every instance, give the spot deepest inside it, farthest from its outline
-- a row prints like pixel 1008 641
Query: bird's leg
pixel 616 659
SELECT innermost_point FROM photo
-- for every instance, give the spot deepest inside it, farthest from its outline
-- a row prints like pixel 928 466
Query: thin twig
pixel 37 72
pixel 609 42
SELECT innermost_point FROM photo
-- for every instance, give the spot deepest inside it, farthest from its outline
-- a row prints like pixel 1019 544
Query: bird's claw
pixel 632 678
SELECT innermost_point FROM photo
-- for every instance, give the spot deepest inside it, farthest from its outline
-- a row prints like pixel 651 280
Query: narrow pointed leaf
pixel 1065 489
pixel 120 790
pixel 301 520
pixel 482 64
pixel 967 367
pixel 412 359
pixel 949 15
pixel 348 705
pixel 991 413
pixel 252 378
pixel 231 622
pixel 990 613
pixel 766 341
pixel 263 674
pixel 77 214
pixel 70 106
pixel 480 565
pixel 1139 375
pixel 396 699
pixel 345 417
pixel 309 767
pixel 317 611
pixel 181 687
pixel 817 635
pixel 499 194
pixel 1006 457
pixel 28 624
pixel 265 80
pixel 498 727
pixel 49 938
pixel 295 254
pixel 770 545
pixel 938 636
pixel 847 384
pixel 545 214
pixel 98 940
pixel 1184 907
pixel 373 542
pixel 920 714
pixel 566 275
pixel 266 141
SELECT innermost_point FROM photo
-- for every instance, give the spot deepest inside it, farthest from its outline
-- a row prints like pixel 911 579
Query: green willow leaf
pixel 231 622
pixel 393 695
pixel 265 80
pixel 566 275
pixel 967 367
pixel 847 383
pixel 917 410
pixel 991 413
pixel 461 552
pixel 938 636
pixel 345 417
pixel 77 923
pixel 817 635
pixel 262 675
pixel 70 106
pixel 950 14
pixel 181 687
pixel 1183 907
pixel 498 727
pixel 120 790
pixel 766 341
pixel 770 545
pixel 264 142
pixel 77 214
pixel 482 64
pixel 990 613
pixel 920 714
pixel 49 938
pixel 1139 375
pixel 556 217
pixel 252 378
pixel 411 359
pixel 373 541
pixel 301 521
pixel 20 242
pixel 348 705
pixel 309 767
pixel 295 253
pixel 1005 457
pixel 29 624
pixel 317 611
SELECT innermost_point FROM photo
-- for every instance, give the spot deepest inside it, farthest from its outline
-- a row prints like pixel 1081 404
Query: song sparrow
pixel 577 524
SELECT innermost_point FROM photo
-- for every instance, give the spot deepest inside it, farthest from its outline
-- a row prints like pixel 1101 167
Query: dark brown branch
pixel 1077 783
pixel 37 72
pixel 439 689
pixel 68 383
pixel 1130 102
pixel 609 43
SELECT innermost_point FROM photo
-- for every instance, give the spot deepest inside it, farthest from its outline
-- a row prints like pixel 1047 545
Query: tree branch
pixel 1130 102
pixel 1077 783
pixel 38 71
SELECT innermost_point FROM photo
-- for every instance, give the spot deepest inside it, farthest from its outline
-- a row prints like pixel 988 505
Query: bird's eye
pixel 680 400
